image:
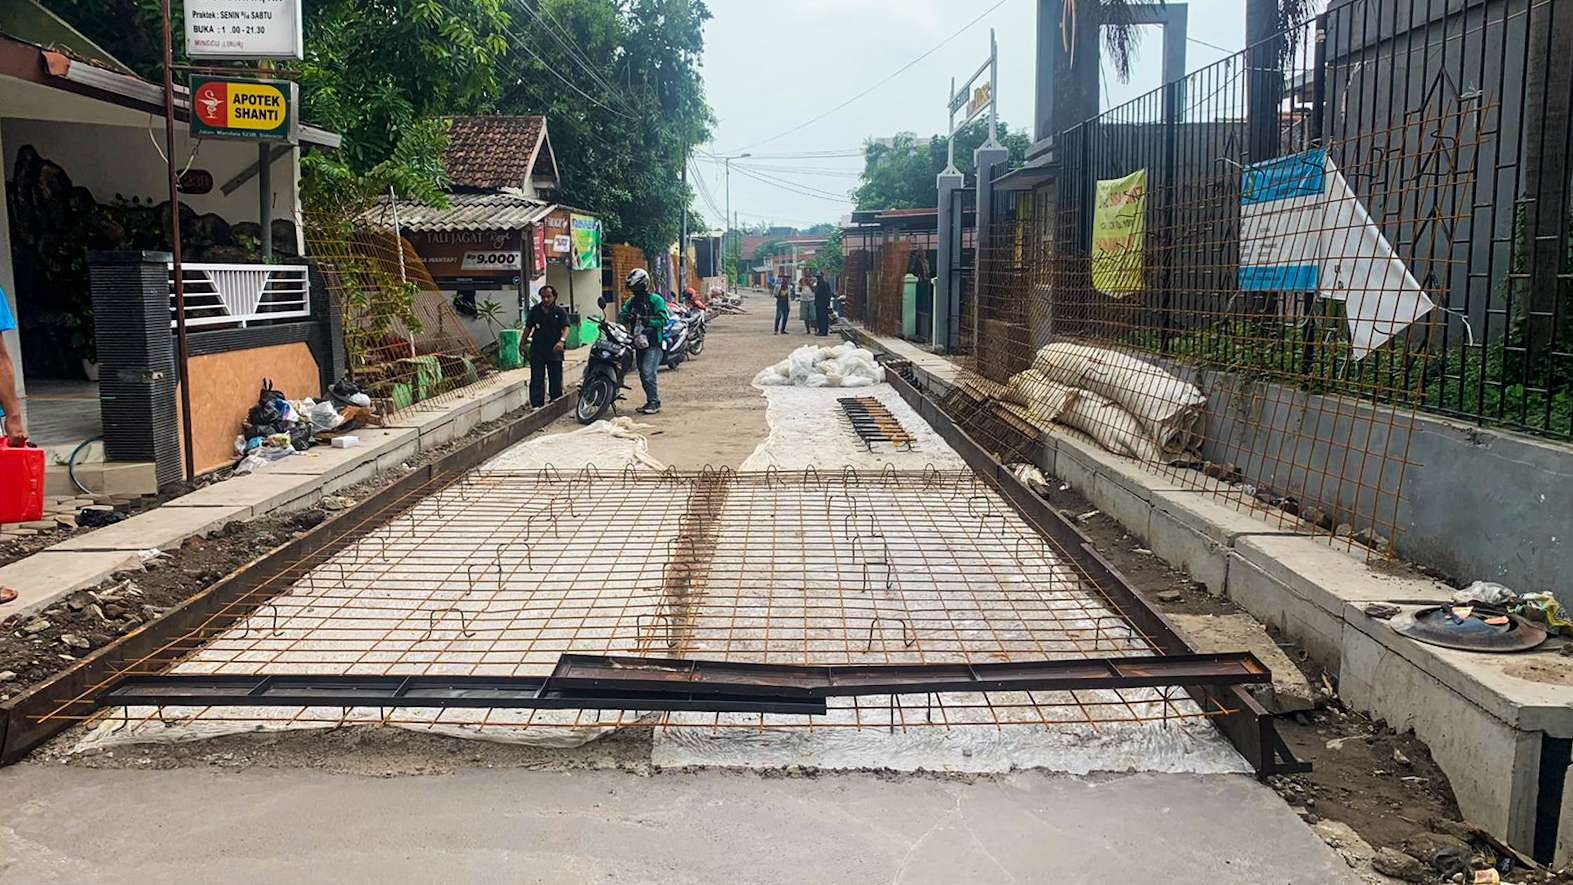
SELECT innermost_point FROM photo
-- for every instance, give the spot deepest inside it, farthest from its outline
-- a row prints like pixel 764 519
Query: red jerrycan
pixel 21 483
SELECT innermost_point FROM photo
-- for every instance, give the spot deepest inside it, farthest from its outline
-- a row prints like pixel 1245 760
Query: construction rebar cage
pixel 407 347
pixel 1303 244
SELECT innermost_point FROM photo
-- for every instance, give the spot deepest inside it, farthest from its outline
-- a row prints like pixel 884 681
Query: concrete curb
pixel 1503 740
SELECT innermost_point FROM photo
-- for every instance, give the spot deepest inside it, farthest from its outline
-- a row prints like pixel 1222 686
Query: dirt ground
pixel 711 414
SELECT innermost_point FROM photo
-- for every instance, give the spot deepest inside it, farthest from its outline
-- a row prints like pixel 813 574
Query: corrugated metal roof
pixel 494 211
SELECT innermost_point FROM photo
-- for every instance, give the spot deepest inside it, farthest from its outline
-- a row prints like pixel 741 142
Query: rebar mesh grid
pixel 503 572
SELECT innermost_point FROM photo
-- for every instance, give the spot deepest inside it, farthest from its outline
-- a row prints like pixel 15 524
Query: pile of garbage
pixel 1129 406
pixel 845 365
pixel 278 427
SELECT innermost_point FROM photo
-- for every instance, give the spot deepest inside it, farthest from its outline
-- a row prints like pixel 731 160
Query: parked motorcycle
pixel 698 324
pixel 675 341
pixel 611 359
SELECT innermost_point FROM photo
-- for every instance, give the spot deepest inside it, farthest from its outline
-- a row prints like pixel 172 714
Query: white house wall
pixel 110 160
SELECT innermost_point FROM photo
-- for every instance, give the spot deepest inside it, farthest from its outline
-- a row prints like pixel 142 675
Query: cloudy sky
pixel 772 66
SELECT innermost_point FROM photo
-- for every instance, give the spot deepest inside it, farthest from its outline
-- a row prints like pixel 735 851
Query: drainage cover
pixel 1470 628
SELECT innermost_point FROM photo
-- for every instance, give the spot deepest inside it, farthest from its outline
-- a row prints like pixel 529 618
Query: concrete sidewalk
pixel 87 558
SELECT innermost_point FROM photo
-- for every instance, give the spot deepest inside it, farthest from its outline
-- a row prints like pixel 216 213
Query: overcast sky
pixel 769 67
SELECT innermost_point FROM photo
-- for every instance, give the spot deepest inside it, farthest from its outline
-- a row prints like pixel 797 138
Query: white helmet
pixel 639 277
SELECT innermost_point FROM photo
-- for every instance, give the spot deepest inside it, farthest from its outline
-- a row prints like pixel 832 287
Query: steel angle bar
pixel 441 692
pixel 618 673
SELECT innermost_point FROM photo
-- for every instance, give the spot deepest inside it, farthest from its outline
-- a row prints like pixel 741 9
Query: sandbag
pixel 1111 425
pixel 1169 410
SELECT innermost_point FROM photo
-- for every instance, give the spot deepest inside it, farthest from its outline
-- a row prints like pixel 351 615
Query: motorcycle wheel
pixel 596 396
pixel 696 346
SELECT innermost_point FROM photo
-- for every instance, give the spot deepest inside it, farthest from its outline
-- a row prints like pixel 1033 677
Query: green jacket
pixel 652 315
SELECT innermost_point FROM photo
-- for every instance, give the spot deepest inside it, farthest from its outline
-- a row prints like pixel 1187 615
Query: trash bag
pixel 323 417
pixel 300 436
pixel 1543 608
pixel 345 392
pixel 268 393
pixel 263 416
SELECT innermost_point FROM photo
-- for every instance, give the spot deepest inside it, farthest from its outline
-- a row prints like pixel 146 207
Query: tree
pixel 620 86
pixel 1123 37
pixel 901 174
pixel 830 258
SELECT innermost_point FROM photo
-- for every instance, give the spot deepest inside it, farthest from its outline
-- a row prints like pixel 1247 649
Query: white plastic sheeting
pixel 844 365
pixel 610 445
pixel 806 430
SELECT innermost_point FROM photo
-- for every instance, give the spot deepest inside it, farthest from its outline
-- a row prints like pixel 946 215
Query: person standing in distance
pixel 546 329
pixel 783 305
pixel 822 295
pixel 645 314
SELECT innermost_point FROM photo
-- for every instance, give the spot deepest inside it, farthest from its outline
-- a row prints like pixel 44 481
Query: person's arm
pixel 662 315
pixel 15 430
pixel 562 340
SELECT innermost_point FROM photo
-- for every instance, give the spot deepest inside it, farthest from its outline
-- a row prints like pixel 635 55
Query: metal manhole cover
pixel 1470 628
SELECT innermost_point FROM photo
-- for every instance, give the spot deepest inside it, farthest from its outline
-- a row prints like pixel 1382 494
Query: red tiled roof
pixel 492 152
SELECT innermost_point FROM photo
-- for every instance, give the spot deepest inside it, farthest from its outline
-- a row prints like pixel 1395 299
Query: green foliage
pixel 380 71
pixel 902 175
pixel 831 258
pixel 621 155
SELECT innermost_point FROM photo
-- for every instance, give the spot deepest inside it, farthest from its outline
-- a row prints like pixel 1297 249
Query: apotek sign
pixel 243 29
pixel 252 109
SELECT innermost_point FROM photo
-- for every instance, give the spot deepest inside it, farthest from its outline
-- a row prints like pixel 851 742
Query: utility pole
pixel 682 236
pixel 731 218
pixel 182 351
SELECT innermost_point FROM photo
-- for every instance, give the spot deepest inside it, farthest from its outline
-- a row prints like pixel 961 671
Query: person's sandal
pixel 7 595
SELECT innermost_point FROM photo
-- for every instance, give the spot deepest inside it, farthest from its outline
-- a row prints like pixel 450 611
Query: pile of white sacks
pixel 845 365
pixel 1129 406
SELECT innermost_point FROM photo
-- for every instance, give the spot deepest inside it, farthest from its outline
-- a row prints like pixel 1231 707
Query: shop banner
pixel 449 255
pixel 1303 229
pixel 245 109
pixel 586 234
pixel 1119 234
pixel 243 29
pixel 538 253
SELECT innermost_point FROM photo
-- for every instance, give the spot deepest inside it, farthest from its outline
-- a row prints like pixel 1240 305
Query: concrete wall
pixel 1476 504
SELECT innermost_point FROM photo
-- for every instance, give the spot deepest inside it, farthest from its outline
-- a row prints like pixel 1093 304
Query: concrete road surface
pixel 72 825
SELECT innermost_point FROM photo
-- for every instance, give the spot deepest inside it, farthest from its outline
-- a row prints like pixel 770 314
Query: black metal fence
pixel 1375 203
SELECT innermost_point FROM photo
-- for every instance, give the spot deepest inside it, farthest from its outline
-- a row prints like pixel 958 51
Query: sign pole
pixel 182 352
pixel 265 197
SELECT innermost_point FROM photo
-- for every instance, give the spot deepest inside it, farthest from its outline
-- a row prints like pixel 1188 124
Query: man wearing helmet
pixel 645 314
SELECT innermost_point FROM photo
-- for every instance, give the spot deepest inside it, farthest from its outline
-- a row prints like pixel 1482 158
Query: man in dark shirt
pixel 546 329
pixel 822 303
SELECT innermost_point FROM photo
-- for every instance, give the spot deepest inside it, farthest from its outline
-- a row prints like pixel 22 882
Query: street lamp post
pixel 727 163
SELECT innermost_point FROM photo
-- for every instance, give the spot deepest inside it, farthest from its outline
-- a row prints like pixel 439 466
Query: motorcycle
pixel 698 323
pixel 611 359
pixel 675 341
